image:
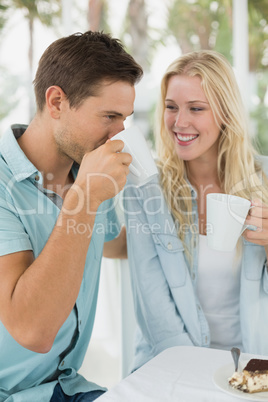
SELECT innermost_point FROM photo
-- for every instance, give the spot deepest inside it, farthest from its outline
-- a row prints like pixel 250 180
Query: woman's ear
pixel 55 97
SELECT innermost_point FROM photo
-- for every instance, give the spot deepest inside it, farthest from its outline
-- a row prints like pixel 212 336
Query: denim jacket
pixel 167 309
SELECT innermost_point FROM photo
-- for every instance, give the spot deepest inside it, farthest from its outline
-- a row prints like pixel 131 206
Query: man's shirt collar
pixel 15 158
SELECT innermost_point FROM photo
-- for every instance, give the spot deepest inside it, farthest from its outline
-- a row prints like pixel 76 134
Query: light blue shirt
pixel 167 308
pixel 27 218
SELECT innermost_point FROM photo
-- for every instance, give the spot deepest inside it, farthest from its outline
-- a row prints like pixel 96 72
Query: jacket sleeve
pixel 156 311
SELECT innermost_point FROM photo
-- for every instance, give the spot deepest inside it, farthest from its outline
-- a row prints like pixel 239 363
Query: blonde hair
pixel 238 171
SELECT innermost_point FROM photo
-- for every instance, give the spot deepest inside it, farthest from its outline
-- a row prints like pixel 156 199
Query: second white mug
pixel 226 216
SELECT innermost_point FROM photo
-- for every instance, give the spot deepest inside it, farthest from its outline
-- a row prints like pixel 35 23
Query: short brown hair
pixel 79 63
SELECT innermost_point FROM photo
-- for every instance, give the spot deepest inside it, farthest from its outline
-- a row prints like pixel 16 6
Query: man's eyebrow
pixel 115 113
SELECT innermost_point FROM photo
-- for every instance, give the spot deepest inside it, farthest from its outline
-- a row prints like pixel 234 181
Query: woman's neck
pixel 202 173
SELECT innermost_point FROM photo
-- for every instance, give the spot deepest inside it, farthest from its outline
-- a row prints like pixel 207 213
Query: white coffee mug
pixel 226 216
pixel 142 168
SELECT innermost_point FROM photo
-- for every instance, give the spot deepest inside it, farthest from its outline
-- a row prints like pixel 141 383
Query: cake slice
pixel 254 377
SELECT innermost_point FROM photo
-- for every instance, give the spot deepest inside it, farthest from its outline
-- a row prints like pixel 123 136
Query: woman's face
pixel 189 119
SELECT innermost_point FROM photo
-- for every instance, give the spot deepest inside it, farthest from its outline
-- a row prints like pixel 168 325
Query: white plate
pixel 221 377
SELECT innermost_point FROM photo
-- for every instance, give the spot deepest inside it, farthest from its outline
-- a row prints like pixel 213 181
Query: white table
pixel 181 374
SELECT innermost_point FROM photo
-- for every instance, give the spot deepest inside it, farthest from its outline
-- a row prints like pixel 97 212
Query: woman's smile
pixel 185 139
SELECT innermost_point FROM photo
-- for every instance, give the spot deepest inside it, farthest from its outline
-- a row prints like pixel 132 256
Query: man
pixel 56 218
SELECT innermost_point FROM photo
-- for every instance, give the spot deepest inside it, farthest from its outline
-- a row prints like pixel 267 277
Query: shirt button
pixel 169 246
pixel 37 177
pixel 62 363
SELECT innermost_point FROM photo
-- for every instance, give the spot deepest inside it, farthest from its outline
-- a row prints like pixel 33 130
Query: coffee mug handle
pixel 134 170
pixel 247 226
pixel 244 228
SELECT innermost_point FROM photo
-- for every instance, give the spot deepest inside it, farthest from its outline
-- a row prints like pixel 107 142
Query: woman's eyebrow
pixel 198 101
pixel 192 101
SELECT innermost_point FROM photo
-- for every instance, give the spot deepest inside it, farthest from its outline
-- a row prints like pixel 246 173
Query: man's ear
pixel 54 100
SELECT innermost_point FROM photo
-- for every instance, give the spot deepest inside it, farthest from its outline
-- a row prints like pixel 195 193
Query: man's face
pixel 96 120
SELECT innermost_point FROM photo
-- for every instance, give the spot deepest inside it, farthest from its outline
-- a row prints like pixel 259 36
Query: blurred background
pixel 155 32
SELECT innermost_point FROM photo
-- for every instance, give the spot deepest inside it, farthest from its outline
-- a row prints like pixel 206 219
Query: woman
pixel 184 292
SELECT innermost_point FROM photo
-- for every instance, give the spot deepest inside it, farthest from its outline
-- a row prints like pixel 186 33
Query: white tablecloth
pixel 181 374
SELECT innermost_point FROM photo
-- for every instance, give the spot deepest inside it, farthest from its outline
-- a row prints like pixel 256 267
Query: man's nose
pixel 119 127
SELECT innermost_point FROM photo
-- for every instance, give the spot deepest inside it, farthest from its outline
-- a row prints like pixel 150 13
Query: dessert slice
pixel 254 377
